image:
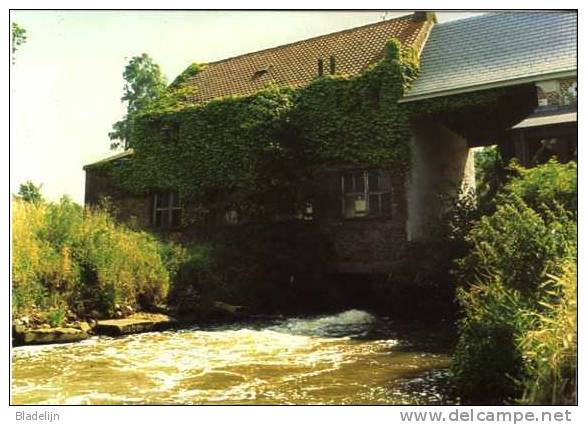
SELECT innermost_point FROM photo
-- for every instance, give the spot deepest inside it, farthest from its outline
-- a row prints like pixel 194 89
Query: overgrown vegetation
pixel 69 260
pixel 189 72
pixel 255 155
pixel 550 348
pixel 258 151
pixel 66 258
pixel 490 176
pixel 507 298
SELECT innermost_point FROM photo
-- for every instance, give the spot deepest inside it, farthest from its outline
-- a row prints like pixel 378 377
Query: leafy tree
pixel 143 82
pixel 30 192
pixel 18 38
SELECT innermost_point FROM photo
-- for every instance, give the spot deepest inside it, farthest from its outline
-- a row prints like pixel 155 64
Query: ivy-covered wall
pixel 269 154
pixel 258 154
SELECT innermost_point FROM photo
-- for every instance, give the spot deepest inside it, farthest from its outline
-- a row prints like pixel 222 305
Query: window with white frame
pixel 366 193
pixel 166 210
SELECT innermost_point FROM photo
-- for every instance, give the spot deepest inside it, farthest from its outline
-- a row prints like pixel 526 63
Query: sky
pixel 66 82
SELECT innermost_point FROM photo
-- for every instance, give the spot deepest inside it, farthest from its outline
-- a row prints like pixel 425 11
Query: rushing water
pixel 348 358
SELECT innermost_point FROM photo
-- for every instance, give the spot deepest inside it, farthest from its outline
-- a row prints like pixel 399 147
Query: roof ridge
pixel 469 18
pixel 399 18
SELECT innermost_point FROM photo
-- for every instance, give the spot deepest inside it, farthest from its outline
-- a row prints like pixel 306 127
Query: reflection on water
pixel 349 358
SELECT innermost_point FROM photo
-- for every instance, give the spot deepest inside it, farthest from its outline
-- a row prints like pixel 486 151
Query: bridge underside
pixel 443 163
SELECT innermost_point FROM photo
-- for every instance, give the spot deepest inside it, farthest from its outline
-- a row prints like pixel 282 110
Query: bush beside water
pixel 517 289
pixel 70 260
pixel 67 258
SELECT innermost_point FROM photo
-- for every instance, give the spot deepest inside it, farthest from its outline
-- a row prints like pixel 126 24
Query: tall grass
pixel 68 257
pixel 550 348
pixel 517 335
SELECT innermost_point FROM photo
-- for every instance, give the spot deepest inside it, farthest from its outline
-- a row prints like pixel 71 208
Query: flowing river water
pixel 347 358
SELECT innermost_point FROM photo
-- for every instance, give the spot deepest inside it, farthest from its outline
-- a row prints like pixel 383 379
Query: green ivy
pixel 456 102
pixel 189 72
pixel 256 153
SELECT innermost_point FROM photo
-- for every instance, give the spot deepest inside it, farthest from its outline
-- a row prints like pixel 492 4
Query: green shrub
pixel 197 275
pixel 505 308
pixel 127 265
pixel 36 265
pixel 518 246
pixel 65 255
pixel 545 186
pixel 56 316
pixel 486 356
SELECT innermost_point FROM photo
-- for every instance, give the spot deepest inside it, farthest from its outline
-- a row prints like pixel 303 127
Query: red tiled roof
pixel 296 64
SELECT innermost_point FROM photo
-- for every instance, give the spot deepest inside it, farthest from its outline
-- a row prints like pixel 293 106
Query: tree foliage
pixel 29 192
pixel 144 82
pixel 18 38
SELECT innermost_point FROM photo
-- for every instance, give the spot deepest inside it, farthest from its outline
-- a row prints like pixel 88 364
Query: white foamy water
pixel 348 358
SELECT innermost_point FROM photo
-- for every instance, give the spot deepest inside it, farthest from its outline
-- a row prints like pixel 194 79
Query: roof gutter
pixel 487 86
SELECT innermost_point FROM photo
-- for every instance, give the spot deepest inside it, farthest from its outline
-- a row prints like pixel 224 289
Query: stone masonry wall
pixel 365 245
pixel 135 210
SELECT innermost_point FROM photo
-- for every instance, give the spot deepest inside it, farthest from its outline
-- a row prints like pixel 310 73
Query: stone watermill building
pixel 372 214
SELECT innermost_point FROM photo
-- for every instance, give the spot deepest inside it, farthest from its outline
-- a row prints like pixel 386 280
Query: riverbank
pixel 27 332
pixel 81 330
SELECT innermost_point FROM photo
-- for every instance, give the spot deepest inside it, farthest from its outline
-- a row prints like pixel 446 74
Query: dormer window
pixel 260 74
pixel 320 67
